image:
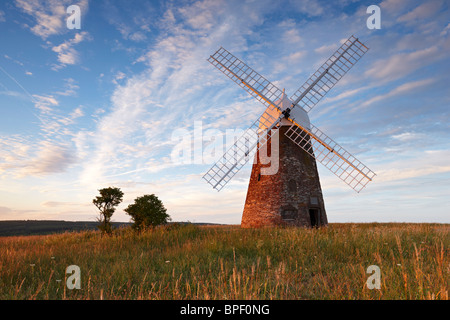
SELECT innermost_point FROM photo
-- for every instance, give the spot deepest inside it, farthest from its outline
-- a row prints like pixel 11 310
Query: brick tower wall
pixel 291 196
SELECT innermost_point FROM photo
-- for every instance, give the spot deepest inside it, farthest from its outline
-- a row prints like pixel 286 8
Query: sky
pixel 100 106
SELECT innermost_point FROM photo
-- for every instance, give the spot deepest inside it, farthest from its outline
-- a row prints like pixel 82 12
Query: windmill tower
pixel 292 195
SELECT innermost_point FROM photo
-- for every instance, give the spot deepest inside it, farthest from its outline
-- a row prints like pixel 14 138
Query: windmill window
pixel 314 200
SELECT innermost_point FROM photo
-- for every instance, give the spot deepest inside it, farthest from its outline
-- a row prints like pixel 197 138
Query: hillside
pixel 227 262
pixel 42 227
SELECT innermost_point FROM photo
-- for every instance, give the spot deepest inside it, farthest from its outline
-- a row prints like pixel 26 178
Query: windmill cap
pixel 297 113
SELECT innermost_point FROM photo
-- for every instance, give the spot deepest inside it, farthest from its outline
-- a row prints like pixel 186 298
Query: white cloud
pixel 13 149
pixel 394 5
pixel 401 89
pixel 344 95
pixel 78 112
pixel 45 103
pixel 408 136
pixel 2 16
pixel 292 36
pixel 7 213
pixel 295 57
pixel 48 158
pixel 70 119
pixel 50 15
pixel 445 31
pixel 203 14
pixel 70 88
pixel 326 49
pixel 421 164
pixel 118 76
pixel 402 64
pixel 13 60
pixel 66 53
pixel 422 12
pixel 311 8
pixel 54 204
pixel 138 36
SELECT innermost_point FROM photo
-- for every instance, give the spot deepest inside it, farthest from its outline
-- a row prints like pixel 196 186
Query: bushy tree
pixel 147 211
pixel 107 201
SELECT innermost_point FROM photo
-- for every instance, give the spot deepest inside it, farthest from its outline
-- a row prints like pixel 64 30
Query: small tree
pixel 107 201
pixel 147 211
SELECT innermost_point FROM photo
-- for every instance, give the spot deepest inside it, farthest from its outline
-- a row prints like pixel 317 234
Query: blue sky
pixel 96 107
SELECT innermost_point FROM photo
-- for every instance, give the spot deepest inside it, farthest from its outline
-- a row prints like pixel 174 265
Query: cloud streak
pixel 50 158
pixel 400 90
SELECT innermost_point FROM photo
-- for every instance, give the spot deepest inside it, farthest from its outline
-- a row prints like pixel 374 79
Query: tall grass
pixel 226 262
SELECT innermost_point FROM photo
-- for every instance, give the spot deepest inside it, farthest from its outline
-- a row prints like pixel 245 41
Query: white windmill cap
pixel 298 114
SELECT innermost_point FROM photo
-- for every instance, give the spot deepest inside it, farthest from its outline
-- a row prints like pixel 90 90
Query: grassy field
pixel 226 262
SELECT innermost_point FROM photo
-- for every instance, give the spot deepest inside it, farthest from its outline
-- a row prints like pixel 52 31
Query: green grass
pixel 227 262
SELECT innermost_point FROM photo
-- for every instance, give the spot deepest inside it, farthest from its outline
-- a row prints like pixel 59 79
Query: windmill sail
pixel 317 86
pixel 278 113
pixel 247 78
pixel 240 152
pixel 259 132
pixel 331 155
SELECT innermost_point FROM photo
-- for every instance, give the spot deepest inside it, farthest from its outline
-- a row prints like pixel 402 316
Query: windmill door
pixel 314 216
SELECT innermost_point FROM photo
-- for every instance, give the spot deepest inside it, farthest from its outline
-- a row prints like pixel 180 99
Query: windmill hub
pixel 285 104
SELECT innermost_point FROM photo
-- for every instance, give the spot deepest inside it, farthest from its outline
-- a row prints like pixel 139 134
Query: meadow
pixel 227 262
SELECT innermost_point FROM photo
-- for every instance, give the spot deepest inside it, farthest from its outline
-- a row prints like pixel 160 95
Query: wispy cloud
pixel 22 158
pixel 402 64
pixel 67 55
pixel 50 158
pixel 70 88
pixel 45 104
pixel 422 12
pixel 326 49
pixel 14 149
pixel 166 92
pixel 421 164
pixel 401 89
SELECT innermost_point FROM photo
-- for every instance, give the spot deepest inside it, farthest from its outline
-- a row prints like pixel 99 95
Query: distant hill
pixel 41 227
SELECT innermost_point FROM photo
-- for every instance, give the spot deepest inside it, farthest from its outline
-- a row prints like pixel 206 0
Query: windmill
pixel 293 194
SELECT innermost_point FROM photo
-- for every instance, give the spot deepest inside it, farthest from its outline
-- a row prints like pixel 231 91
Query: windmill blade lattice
pixel 317 86
pixel 247 78
pixel 253 139
pixel 259 132
pixel 311 139
pixel 331 155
